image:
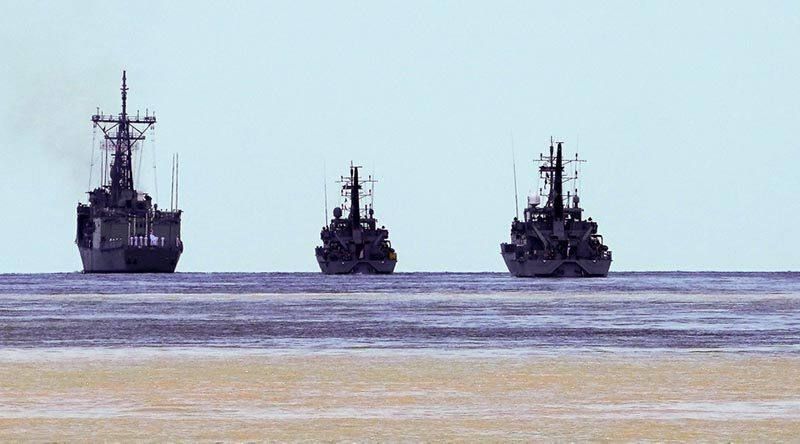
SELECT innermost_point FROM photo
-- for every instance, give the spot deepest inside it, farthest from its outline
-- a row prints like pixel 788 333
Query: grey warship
pixel 355 244
pixel 554 240
pixel 121 230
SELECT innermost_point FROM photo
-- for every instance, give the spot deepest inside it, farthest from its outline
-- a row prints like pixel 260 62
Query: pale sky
pixel 687 113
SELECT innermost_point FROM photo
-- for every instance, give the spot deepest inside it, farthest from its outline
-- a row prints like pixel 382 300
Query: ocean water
pixel 411 356
pixel 749 312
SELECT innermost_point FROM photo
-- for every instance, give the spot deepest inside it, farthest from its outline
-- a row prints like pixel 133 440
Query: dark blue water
pixel 750 312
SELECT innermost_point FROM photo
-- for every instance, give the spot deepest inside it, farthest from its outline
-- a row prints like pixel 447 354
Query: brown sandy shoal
pixel 358 396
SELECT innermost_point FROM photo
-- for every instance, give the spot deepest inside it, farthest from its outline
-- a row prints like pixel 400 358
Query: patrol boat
pixel 121 230
pixel 355 244
pixel 554 240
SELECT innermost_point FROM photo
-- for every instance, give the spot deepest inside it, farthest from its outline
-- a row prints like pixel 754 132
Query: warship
pixel 355 244
pixel 121 229
pixel 554 240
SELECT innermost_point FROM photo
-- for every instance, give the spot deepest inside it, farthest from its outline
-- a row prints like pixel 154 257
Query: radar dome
pixel 534 200
pixel 337 212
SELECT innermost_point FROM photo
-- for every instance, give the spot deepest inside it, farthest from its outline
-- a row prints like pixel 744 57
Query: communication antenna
pixel 325 189
pixel 139 165
pixel 91 162
pixel 177 163
pixel 102 163
pixel 121 133
pixel 577 164
pixel 104 156
pixel 372 189
pixel 155 171
pixel 172 186
pixel 514 164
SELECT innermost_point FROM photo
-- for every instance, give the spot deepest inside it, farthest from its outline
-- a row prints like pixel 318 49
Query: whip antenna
pixel 177 163
pixel 325 190
pixel 153 145
pixel 172 185
pixel 91 162
pixel 514 164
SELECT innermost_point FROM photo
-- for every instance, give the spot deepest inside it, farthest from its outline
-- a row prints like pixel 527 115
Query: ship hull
pixel 556 267
pixel 356 266
pixel 130 259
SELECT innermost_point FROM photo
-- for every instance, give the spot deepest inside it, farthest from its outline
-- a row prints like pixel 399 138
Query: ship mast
pixel 122 133
pixel 353 191
pixel 355 210
pixel 121 168
pixel 558 200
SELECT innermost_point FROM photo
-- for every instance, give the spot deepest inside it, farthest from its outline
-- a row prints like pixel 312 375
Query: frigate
pixel 121 229
pixel 554 240
pixel 355 244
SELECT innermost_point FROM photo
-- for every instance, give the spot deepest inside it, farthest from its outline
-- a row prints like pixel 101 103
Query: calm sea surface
pixel 750 312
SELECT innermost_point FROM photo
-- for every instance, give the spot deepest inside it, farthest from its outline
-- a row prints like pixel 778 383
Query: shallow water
pixel 419 356
pixel 357 396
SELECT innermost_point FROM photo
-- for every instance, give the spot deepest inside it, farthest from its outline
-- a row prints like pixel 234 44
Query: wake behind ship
pixel 121 230
pixel 554 240
pixel 355 244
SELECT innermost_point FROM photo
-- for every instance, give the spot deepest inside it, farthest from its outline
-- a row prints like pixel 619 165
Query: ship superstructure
pixel 355 244
pixel 121 230
pixel 553 240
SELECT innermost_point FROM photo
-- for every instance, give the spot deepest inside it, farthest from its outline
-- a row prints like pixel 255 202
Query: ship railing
pixel 116 117
pixel 152 241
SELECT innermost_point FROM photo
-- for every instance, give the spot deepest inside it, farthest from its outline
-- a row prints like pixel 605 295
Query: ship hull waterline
pixel 356 266
pixel 130 260
pixel 556 267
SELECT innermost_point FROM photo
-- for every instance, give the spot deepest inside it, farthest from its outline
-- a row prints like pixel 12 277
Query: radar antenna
pixel 121 133
pixel 552 169
pixel 353 189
